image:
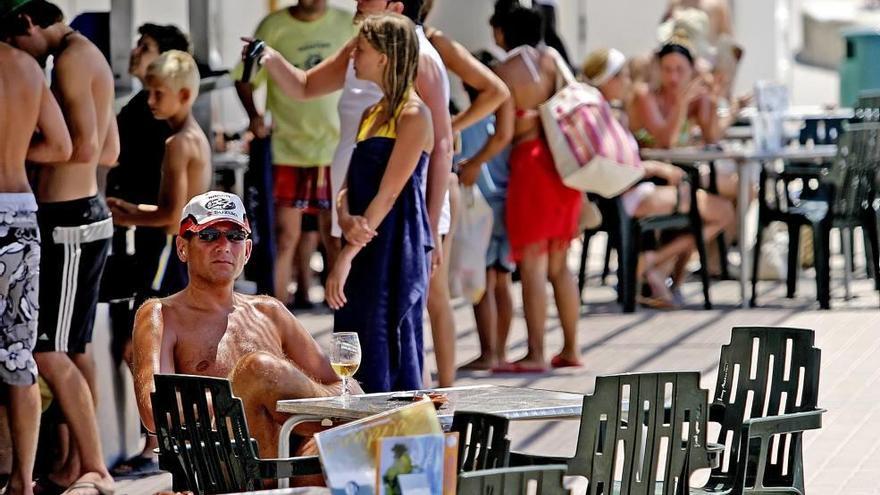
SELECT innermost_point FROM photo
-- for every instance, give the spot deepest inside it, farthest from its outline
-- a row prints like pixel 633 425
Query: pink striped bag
pixel 591 150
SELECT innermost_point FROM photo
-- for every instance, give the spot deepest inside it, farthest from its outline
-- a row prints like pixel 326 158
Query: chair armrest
pixel 783 423
pixel 521 459
pixel 760 430
pixel 287 468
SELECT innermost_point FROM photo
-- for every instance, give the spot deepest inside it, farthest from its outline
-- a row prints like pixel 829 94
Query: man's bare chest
pixel 212 347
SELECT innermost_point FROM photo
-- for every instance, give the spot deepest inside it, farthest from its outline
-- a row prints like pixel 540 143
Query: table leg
pixel 284 439
pixel 748 170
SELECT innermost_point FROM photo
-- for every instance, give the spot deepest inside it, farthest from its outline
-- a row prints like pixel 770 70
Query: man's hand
pixel 334 289
pixel 258 127
pixel 121 211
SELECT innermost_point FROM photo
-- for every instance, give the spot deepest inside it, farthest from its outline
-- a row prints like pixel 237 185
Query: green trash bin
pixel 860 67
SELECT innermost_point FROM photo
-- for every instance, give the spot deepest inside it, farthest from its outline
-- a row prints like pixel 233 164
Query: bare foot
pixel 531 363
pixel 481 363
pixel 92 484
pixel 657 282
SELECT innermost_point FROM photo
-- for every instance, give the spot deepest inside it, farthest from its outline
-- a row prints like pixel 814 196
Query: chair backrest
pixel 821 131
pixel 853 173
pixel 868 106
pixel 643 431
pixel 529 480
pixel 482 440
pixel 203 436
pixel 763 371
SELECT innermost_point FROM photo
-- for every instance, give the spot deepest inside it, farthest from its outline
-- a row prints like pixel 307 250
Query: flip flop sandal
pixel 561 362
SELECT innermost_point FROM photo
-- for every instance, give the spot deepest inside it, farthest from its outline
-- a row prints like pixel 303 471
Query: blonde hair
pixel 394 36
pixel 596 63
pixel 177 70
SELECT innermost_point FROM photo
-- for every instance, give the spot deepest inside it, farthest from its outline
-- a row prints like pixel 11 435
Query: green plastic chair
pixel 482 440
pixel 204 440
pixel 544 480
pixel 640 433
pixel 775 371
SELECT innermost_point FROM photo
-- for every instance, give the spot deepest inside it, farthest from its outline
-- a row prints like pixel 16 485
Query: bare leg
pixel 567 302
pixel 486 316
pixel 504 306
pixel 72 392
pixel 331 244
pixel 308 243
pixel 85 362
pixel 288 224
pixel 24 422
pixel 439 307
pixel 533 275
pixel 261 379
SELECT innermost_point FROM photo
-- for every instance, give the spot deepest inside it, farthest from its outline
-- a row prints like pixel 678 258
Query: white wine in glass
pixel 345 358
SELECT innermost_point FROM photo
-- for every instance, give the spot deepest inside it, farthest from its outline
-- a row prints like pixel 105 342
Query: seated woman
pixel 665 117
pixel 607 70
pixel 379 282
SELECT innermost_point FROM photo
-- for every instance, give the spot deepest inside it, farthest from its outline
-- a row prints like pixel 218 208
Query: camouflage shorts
pixel 19 288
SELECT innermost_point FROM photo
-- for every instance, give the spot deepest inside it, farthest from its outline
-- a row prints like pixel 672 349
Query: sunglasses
pixel 211 235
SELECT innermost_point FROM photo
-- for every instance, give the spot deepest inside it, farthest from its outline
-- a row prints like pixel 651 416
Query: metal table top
pixel 514 403
pixel 691 154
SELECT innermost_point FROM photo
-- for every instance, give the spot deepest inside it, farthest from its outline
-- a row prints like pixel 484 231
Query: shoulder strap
pixel 562 67
pixel 520 51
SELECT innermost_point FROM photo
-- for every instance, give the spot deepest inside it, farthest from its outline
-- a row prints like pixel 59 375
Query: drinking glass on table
pixel 345 358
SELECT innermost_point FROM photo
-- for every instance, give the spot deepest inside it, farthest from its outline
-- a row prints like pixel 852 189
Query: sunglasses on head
pixel 211 234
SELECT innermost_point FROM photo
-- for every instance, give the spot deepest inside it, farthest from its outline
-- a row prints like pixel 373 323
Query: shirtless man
pixel 432 84
pixel 172 83
pixel 75 225
pixel 26 104
pixel 208 329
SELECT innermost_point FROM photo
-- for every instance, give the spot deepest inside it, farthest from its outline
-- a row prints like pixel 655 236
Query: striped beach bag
pixel 591 150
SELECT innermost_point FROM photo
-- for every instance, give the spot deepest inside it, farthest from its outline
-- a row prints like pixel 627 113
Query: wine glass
pixel 345 358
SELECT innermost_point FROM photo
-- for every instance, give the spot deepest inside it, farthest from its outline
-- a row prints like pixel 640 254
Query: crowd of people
pixel 363 146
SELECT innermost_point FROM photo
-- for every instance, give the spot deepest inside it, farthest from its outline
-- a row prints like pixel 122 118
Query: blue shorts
pixel 498 253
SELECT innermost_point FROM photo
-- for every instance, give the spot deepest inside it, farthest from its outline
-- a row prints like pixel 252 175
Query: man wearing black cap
pixel 208 329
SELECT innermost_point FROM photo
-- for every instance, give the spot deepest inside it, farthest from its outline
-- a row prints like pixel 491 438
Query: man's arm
pixel 490 88
pixel 110 153
pixel 149 356
pixel 429 86
pixel 52 144
pixel 172 191
pixel 325 78
pixel 71 84
pixel 299 346
pixel 246 96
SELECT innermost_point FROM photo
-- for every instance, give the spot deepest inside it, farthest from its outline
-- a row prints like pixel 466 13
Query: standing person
pixel 137 180
pixel 304 134
pixel 488 92
pixel 432 85
pixel 542 213
pixel 378 285
pixel 75 225
pixel 26 105
pixel 173 86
